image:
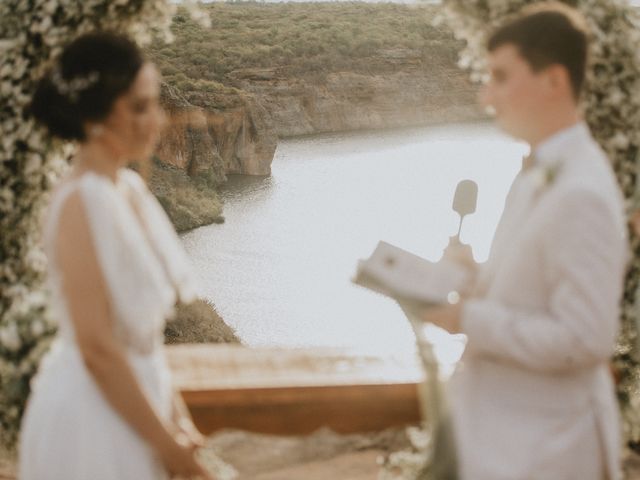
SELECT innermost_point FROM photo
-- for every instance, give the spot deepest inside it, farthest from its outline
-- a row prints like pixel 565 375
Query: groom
pixel 533 397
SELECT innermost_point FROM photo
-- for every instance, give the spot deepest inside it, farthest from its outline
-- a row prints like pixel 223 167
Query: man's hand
pixel 460 253
pixel 447 317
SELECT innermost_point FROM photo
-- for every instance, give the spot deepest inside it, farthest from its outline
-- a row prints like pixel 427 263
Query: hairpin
pixel 72 88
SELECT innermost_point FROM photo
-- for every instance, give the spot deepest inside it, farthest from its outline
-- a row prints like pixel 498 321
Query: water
pixel 279 269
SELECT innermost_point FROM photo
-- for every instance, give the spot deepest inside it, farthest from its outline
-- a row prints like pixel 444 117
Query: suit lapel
pixel 522 200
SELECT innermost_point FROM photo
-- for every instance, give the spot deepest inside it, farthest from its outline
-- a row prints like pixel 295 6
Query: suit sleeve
pixel 583 254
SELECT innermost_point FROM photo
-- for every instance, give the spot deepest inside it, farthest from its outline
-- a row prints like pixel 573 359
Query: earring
pixel 96 130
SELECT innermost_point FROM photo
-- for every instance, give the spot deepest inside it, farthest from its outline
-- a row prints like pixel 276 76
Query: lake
pixel 279 268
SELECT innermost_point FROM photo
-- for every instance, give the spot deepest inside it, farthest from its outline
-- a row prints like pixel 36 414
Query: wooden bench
pixel 296 391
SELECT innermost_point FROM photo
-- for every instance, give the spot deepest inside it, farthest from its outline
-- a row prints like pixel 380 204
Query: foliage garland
pixel 32 34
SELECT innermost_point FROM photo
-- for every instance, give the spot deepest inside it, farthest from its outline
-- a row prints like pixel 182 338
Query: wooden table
pixel 280 391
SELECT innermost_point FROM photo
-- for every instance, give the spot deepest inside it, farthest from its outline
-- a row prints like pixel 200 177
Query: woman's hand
pixel 184 423
pixel 178 457
pixel 192 434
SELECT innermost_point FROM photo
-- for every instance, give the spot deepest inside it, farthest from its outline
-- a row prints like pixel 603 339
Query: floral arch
pixel 33 32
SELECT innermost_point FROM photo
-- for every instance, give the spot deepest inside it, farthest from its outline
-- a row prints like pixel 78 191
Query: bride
pixel 102 406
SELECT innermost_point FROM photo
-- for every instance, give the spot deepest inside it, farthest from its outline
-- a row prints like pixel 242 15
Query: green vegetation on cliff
pixel 300 39
pixel 198 322
pixel 188 201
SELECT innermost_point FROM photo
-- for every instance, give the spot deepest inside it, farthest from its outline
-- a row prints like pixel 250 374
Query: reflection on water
pixel 241 187
pixel 279 268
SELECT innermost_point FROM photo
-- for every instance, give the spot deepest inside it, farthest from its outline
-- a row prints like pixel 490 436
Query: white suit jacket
pixel 533 397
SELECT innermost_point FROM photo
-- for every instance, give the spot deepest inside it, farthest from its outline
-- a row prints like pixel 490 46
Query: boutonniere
pixel 545 175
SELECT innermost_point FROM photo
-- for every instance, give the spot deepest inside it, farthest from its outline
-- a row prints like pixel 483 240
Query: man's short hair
pixel 545 34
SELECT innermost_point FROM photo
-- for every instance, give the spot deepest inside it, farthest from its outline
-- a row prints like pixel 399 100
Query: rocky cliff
pixel 209 135
pixel 217 132
pixel 267 71
pixel 234 129
pixel 410 91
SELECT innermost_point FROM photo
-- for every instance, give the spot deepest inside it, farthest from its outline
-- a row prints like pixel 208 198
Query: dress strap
pixel 58 200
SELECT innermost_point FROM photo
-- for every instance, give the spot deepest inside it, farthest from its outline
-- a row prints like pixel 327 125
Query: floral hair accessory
pixel 71 88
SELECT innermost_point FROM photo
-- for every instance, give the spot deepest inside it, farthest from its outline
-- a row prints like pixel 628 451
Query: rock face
pixel 234 128
pixel 209 135
pixel 406 92
pixel 206 137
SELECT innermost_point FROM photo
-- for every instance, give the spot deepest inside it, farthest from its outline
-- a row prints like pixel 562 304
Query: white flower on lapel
pixel 545 175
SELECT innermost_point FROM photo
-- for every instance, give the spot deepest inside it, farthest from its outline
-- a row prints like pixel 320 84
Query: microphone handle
pixel 459 228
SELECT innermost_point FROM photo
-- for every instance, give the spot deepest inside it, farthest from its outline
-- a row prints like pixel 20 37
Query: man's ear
pixel 558 80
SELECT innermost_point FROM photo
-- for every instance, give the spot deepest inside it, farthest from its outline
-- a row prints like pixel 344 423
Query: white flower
pixel 616 97
pixel 37 328
pixel 5 89
pixel 36 259
pixel 33 163
pixel 36 299
pixel 9 338
pixel 6 199
pixel 420 438
pixel 50 6
pixel 543 176
pixel 465 61
pixel 619 141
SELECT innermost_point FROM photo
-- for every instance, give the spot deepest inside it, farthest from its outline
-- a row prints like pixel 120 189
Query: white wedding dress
pixel 69 431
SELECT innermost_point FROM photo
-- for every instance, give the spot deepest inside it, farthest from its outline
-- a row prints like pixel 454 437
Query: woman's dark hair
pixel 92 72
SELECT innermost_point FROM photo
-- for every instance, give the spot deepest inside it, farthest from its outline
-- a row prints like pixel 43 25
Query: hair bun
pixel 91 73
pixel 56 111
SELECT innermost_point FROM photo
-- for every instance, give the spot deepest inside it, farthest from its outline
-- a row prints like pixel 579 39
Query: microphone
pixel 465 200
